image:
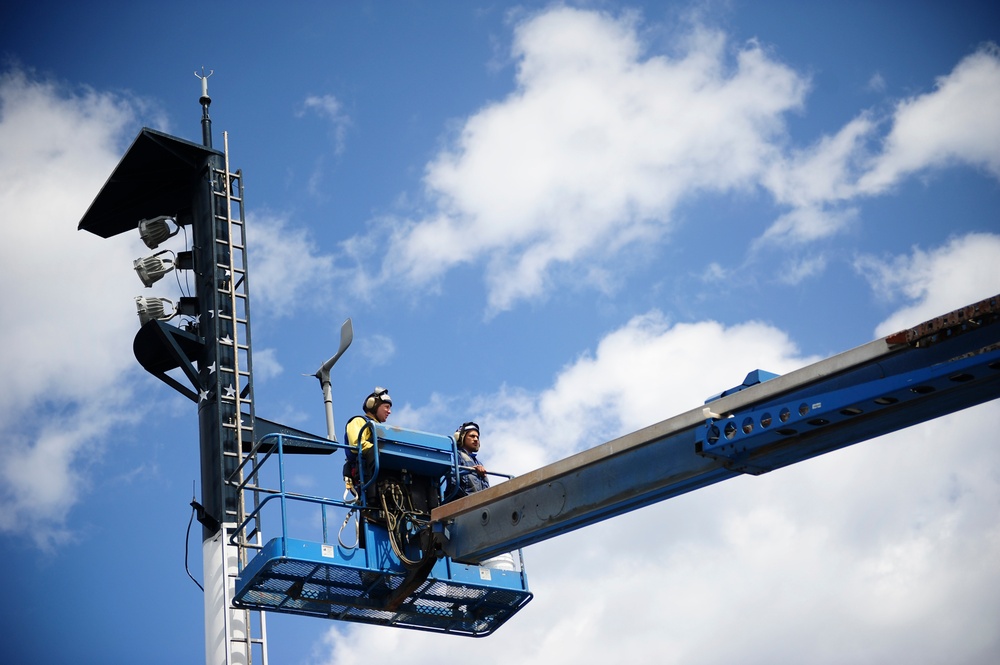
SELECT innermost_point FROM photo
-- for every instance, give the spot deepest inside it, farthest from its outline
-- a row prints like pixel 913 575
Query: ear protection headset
pixel 379 395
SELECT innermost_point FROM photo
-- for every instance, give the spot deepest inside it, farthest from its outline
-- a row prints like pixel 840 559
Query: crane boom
pixel 941 366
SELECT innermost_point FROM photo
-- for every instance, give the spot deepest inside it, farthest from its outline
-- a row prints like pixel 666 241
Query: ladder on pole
pixel 246 629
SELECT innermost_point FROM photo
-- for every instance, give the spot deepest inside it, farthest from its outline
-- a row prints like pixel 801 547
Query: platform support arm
pixel 942 366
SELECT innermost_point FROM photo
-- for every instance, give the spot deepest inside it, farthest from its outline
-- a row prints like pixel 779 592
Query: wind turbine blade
pixel 346 337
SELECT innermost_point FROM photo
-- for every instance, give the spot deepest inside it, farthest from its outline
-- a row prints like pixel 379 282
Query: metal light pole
pixel 163 177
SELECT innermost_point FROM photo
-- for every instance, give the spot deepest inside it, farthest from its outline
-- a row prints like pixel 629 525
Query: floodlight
pixel 156 230
pixel 152 268
pixel 154 309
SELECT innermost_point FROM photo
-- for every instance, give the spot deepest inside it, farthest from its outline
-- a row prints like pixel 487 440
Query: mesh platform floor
pixel 333 590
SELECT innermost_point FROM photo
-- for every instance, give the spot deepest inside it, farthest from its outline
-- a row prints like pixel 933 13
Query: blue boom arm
pixel 941 366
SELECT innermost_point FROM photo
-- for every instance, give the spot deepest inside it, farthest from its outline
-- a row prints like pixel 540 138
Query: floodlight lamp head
pixel 156 230
pixel 154 309
pixel 152 268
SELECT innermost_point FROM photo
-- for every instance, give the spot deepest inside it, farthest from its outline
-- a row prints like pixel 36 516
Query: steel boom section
pixel 939 367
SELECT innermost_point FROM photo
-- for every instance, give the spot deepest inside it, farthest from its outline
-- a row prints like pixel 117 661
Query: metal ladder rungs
pixel 236 421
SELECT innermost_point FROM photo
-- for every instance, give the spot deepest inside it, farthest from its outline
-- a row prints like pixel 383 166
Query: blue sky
pixel 566 222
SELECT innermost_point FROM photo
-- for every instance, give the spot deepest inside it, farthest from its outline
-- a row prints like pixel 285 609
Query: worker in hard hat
pixel 360 437
pixel 471 473
pixel 472 478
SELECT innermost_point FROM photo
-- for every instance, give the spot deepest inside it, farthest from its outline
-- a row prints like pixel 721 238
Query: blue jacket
pixel 469 481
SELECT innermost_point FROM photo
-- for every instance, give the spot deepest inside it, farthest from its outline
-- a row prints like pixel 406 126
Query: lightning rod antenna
pixel 205 101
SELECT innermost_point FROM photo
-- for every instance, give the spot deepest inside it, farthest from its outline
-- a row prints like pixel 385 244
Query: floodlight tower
pixel 165 184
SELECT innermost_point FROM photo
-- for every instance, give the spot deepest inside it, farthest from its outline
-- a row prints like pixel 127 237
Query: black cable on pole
pixel 187 540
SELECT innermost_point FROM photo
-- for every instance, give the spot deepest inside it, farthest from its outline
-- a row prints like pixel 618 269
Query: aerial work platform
pixel 404 583
pixel 325 580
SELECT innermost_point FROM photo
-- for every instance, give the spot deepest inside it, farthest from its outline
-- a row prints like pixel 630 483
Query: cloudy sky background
pixel 566 222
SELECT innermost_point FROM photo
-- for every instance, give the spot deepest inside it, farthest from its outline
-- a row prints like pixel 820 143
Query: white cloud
pixel 377 349
pixel 799 269
pixel 329 108
pixel 714 272
pixel 64 381
pixel 823 172
pixel 807 224
pixel 325 105
pixel 816 182
pixel 935 282
pixel 887 551
pixel 266 364
pixel 640 374
pixel 953 124
pixel 591 153
pixel 601 139
pixel 876 83
pixel 956 123
pixel 287 267
pixel 46 454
